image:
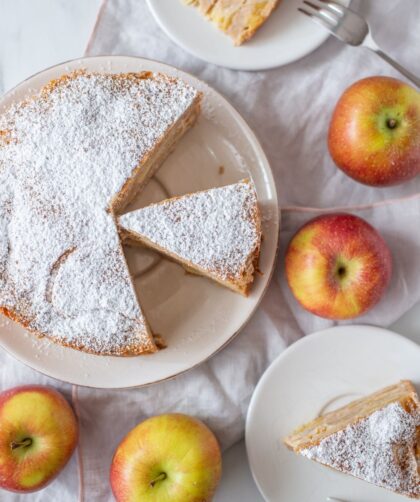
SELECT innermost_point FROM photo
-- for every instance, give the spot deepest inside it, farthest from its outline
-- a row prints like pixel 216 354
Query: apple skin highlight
pixel 374 133
pixel 42 421
pixel 167 458
pixel 338 266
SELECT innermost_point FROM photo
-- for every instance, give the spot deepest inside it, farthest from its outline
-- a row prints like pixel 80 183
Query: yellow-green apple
pixel 167 458
pixel 38 434
pixel 374 134
pixel 338 266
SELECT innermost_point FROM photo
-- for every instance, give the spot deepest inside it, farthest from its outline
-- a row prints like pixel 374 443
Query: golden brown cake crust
pixel 240 19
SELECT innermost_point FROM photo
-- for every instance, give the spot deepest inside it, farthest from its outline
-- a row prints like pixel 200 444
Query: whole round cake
pixel 72 157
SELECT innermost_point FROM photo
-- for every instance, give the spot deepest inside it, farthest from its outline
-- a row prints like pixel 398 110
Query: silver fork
pixel 349 27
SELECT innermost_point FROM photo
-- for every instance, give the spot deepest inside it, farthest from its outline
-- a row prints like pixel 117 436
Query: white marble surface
pixel 35 34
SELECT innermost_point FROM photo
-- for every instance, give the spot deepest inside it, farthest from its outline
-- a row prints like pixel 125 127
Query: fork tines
pixel 326 12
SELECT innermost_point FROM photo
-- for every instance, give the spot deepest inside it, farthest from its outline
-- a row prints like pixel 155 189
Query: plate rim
pixel 286 353
pixel 172 35
pixel 250 134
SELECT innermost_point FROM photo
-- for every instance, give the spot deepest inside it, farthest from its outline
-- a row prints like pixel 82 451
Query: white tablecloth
pixel 289 109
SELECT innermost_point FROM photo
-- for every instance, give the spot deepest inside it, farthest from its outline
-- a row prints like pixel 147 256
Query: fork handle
pixel 371 44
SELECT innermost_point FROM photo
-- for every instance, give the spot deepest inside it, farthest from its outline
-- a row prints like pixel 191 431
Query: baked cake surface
pixel 239 19
pixel 376 439
pixel 215 233
pixel 72 157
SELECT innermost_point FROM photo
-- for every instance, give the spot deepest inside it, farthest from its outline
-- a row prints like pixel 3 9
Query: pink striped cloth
pixel 289 109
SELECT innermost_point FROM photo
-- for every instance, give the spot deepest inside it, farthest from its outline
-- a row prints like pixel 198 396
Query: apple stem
pixel 21 444
pixel 161 477
pixel 341 272
pixel 391 123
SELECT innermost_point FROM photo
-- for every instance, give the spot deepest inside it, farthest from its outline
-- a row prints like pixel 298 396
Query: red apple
pixel 338 266
pixel 374 135
pixel 38 434
pixel 167 458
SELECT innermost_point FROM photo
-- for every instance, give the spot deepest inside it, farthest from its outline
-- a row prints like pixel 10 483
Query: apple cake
pixel 240 19
pixel 376 438
pixel 71 158
pixel 214 233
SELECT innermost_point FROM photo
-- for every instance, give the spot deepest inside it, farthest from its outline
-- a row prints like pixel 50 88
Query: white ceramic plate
pixel 194 315
pixel 321 372
pixel 287 36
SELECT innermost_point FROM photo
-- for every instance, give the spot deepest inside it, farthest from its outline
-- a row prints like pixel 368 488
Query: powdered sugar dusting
pixel 217 229
pixel 63 156
pixel 379 449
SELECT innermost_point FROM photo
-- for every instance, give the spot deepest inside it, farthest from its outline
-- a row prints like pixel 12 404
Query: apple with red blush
pixel 374 133
pixel 38 434
pixel 338 266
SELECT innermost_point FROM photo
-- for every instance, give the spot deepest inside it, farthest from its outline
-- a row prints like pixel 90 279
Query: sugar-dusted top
pixel 64 154
pixel 217 230
pixel 379 449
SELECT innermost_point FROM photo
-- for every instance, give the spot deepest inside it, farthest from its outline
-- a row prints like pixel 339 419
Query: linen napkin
pixel 289 109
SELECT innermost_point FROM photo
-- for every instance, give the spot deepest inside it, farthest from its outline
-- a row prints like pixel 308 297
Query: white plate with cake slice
pixel 194 315
pixel 315 377
pixel 286 35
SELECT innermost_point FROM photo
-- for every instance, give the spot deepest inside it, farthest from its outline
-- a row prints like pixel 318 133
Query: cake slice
pixel 376 438
pixel 215 233
pixel 203 5
pixel 71 158
pixel 239 19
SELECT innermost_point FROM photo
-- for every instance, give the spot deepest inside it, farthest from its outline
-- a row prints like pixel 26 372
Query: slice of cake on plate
pixel 240 19
pixel 71 158
pixel 215 233
pixel 376 438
